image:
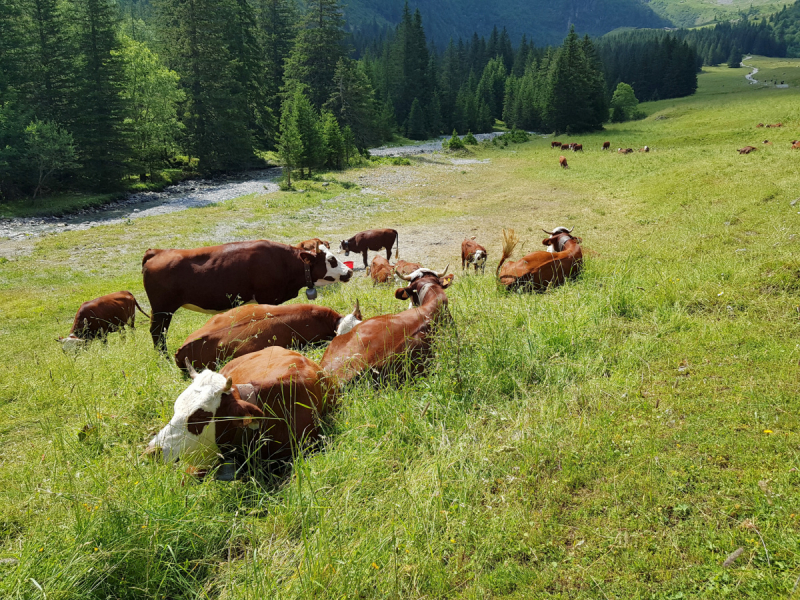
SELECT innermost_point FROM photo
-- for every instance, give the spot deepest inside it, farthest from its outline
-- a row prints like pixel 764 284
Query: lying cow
pixel 250 328
pixel 558 247
pixel 645 149
pixel 100 316
pixel 380 270
pixel 312 245
pixel 267 401
pixel 625 150
pixel 473 253
pixel 795 145
pixel 215 278
pixel 539 270
pixel 746 150
pixel 388 344
pixel 372 239
pixel 403 267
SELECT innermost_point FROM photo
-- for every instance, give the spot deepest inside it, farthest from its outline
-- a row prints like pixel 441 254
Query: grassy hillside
pixel 544 22
pixel 614 438
pixel 691 13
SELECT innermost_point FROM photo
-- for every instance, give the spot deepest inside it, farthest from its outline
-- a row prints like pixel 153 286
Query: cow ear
pixel 548 242
pixel 239 414
pixel 247 392
pixel 307 257
pixel 447 281
pixel 579 240
pixel 402 293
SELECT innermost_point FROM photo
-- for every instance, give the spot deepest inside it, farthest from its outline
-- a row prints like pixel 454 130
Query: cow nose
pixel 346 277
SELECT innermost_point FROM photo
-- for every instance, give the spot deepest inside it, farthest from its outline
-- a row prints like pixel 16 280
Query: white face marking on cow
pixel 336 269
pixel 556 231
pixel 71 343
pixel 480 258
pixel 175 439
pixel 346 324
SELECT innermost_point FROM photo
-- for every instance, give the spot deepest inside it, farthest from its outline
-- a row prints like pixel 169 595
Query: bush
pixel 470 139
pixel 454 143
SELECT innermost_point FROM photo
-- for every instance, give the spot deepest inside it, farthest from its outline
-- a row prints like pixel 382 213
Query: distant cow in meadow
pixel 473 253
pixel 795 145
pixel 760 125
pixel 562 160
pixel 606 145
pixel 100 316
pixel 624 150
pixel 380 270
pixel 645 149
pixel 372 239
pixel 767 143
pixel 746 150
pixel 577 148
pixel 555 144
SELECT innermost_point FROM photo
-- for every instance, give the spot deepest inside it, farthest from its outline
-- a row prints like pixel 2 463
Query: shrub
pixel 454 143
pixel 470 140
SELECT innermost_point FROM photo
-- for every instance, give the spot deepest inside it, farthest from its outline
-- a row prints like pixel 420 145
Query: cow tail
pixel 397 241
pixel 151 252
pixel 141 310
pixel 510 241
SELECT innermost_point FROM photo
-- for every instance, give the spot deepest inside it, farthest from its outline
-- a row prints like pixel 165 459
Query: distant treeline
pixel 716 45
pixel 91 97
pixel 786 25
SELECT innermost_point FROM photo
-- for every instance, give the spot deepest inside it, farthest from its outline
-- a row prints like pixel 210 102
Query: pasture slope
pixel 615 438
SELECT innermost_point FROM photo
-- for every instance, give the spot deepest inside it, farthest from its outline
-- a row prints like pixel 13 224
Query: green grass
pixel 614 438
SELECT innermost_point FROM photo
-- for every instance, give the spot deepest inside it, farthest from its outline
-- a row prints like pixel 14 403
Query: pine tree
pixel 353 103
pixel 735 58
pixel 290 144
pixel 333 141
pixel 308 125
pixel 317 51
pixel 276 19
pixel 415 127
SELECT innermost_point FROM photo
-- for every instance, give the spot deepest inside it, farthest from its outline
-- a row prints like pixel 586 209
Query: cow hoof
pixel 226 472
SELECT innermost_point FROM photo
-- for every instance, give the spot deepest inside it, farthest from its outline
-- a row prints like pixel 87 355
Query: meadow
pixel 617 437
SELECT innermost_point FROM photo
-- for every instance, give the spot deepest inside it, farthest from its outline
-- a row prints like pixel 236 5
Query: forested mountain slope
pixel 543 21
pixel 691 13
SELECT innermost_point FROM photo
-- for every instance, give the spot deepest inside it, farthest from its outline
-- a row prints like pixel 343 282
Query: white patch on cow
pixel 71 343
pixel 346 324
pixel 175 439
pixel 337 272
pixel 419 273
pixel 480 258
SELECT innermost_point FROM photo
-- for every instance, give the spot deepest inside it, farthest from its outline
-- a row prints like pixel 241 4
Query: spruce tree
pixel 735 58
pixel 277 21
pixel 353 103
pixel 415 127
pixel 290 143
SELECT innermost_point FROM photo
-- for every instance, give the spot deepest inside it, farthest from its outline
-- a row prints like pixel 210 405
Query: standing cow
pixel 372 239
pixel 217 278
pixel 473 253
pixel 606 145
pixel 562 160
pixel 100 316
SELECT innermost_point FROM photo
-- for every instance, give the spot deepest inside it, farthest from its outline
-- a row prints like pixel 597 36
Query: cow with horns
pixel 266 403
pixel 250 328
pixel 472 253
pixel 392 345
pixel 215 278
pixel 539 270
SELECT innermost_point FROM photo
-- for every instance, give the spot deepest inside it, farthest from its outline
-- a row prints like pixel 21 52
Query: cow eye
pixel 333 261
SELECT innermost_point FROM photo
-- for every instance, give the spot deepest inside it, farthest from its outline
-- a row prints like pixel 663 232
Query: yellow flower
pixel 452 541
pixel 768 431
pixel 376 567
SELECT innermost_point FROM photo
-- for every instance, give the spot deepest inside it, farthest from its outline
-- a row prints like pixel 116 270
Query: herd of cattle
pixel 795 144
pixel 267 398
pixel 575 147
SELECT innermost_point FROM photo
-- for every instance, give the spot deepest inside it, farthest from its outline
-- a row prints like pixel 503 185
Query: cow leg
pixel 463 262
pixel 159 325
pixel 388 253
pixel 364 256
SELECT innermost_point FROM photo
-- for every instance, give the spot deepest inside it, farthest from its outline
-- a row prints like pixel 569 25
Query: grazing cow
pixel 776 125
pixel 473 253
pixel 645 149
pixel 372 239
pixel 100 316
pixel 250 328
pixel 562 160
pixel 389 344
pixel 312 245
pixel 570 146
pixel 555 144
pixel 760 125
pixel 606 145
pixel 216 278
pixel 539 270
pixel 381 270
pixel 577 147
pixel 625 150
pixel 403 267
pixel 746 150
pixel 267 402
pixel 795 145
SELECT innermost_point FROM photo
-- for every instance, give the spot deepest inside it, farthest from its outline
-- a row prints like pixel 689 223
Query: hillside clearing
pixel 618 437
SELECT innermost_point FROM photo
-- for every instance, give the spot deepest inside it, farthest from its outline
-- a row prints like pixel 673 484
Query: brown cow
pixel 100 316
pixel 776 125
pixel 625 150
pixel 389 344
pixel 539 270
pixel 473 253
pixel 746 150
pixel 562 160
pixel 215 278
pixel 380 270
pixel 250 328
pixel 645 149
pixel 759 125
pixel 268 402
pixel 403 267
pixel 795 144
pixel 767 143
pixel 577 147
pixel 372 239
pixel 606 145
pixel 312 245
pixel 555 144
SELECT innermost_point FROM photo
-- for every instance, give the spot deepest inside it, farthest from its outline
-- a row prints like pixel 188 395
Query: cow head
pixel 347 322
pixel 345 247
pixel 421 281
pixel 480 258
pixel 325 267
pixel 71 343
pixel 558 237
pixel 204 407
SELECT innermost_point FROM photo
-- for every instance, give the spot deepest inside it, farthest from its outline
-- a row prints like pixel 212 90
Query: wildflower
pixel 452 541
pixel 768 431
pixel 376 567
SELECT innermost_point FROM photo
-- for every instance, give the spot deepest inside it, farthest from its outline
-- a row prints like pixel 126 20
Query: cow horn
pixel 190 368
pixel 570 230
pixel 443 272
pixel 548 232
pixel 357 309
pixel 228 385
pixel 403 276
